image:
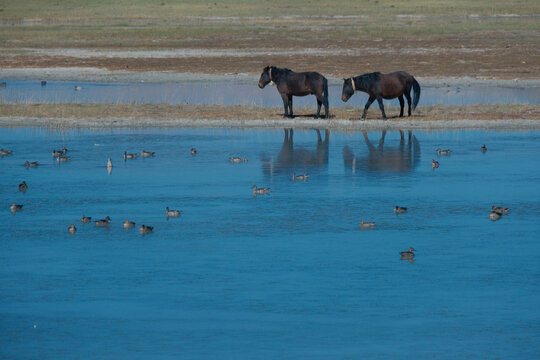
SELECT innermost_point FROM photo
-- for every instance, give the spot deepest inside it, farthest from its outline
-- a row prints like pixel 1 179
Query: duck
pixel 260 191
pixel 299 177
pixel 86 219
pixel 103 222
pixel 193 151
pixel 172 213
pixel 407 255
pixel 23 186
pixel 400 209
pixel 129 156
pixel 63 159
pixel 236 159
pixel 15 207
pixel 128 224
pixel 31 164
pixel 109 163
pixel 483 148
pixel 4 152
pixel 500 209
pixel 57 153
pixel 434 164
pixel 145 229
pixel 43 83
pixel 72 229
pixel 78 88
pixel 443 152
pixel 3 84
pixel 494 215
pixel 366 224
pixel 147 153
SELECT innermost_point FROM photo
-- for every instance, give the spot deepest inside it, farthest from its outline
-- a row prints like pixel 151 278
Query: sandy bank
pixel 90 74
pixel 332 124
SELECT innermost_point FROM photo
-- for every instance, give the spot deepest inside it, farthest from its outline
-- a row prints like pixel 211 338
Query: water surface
pixel 289 275
pixel 231 93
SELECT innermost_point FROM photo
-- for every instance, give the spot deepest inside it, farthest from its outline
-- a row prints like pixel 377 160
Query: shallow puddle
pixel 230 93
pixel 251 273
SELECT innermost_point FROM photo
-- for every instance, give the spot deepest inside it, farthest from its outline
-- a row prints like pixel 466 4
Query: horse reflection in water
pixel 296 159
pixel 403 159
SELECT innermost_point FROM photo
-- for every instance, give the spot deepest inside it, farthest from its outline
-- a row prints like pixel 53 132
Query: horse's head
pixel 266 77
pixel 348 90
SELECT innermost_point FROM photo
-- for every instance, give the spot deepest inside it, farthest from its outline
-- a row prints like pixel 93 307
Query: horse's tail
pixel 325 91
pixel 416 98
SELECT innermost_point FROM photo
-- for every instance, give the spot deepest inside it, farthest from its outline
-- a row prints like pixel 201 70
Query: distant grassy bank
pixel 166 23
pixel 484 38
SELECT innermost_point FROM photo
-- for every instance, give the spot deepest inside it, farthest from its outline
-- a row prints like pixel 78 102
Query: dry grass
pixel 425 37
pixel 163 111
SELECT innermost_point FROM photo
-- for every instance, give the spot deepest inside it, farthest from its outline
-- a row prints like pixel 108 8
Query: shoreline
pixel 92 74
pixel 331 124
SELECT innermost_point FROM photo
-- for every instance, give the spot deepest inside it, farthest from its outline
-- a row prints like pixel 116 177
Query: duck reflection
pixel 380 159
pixel 291 159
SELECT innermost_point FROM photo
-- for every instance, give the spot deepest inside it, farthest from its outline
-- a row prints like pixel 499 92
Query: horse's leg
pixel 366 107
pixel 285 99
pixel 381 106
pixel 290 107
pixel 319 104
pixel 408 96
pixel 401 105
pixel 381 141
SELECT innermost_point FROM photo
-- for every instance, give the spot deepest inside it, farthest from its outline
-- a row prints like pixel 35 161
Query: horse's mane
pixel 368 79
pixel 283 69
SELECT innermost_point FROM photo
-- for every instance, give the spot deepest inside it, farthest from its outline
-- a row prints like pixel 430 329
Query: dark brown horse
pixel 289 83
pixel 383 86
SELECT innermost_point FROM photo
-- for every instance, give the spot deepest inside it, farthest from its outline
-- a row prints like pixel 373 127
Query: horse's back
pixel 394 84
pixel 305 83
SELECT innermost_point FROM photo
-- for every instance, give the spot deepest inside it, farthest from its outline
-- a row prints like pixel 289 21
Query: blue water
pixel 231 93
pixel 285 276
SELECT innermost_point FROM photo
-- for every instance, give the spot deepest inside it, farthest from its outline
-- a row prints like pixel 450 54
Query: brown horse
pixel 289 83
pixel 383 86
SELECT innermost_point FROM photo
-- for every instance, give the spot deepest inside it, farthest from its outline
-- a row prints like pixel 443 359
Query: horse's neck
pixel 278 74
pixel 360 83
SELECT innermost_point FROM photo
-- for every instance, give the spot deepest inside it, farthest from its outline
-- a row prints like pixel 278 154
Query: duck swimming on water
pixel 72 229
pixel 443 152
pixel 408 255
pixel 15 207
pixel 260 191
pixel 172 213
pixel 400 209
pixel 129 156
pixel 145 229
pixel 103 222
pixel 366 224
pixel 23 186
pixel 86 219
pixel 500 209
pixel 128 224
pixel 434 164
pixel 4 152
pixel 299 177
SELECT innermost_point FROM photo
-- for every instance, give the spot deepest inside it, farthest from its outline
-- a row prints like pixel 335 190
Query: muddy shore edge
pixel 332 124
